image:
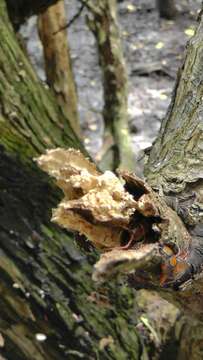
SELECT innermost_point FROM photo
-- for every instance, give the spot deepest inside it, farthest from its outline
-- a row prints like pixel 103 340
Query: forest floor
pixel 153 50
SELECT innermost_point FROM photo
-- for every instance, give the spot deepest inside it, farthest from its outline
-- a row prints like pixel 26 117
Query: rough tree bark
pixel 104 25
pixel 45 283
pixel 57 60
pixel 175 163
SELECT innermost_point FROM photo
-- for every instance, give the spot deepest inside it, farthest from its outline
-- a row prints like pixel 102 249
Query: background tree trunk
pixel 167 8
pixel 57 59
pixel 103 23
pixel 20 10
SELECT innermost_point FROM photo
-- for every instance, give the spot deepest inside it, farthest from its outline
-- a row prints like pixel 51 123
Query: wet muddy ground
pixel 153 51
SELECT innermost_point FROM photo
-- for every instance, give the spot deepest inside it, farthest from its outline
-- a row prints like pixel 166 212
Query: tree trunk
pixel 49 307
pixel 175 159
pixel 58 62
pixel 20 10
pixel 167 8
pixel 103 23
pixel 175 164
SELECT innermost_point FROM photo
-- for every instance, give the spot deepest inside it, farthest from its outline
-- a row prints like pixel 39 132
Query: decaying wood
pixel 88 195
pixel 121 261
pixel 123 216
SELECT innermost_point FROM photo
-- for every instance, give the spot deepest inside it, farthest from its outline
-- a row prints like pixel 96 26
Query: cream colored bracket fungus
pixel 120 216
pixel 95 205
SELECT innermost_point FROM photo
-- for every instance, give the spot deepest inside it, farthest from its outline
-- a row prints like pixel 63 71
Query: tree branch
pixel 74 18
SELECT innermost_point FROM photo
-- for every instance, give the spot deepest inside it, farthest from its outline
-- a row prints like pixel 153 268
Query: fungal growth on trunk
pixel 121 216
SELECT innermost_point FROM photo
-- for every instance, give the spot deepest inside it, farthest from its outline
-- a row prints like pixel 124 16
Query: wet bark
pixel 57 60
pixel 104 25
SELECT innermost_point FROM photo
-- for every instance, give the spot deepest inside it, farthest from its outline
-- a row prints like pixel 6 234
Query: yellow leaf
pixel 92 127
pixel 133 46
pixel 189 32
pixel 163 96
pixel 125 33
pixel 159 45
pixel 131 8
pixel 86 141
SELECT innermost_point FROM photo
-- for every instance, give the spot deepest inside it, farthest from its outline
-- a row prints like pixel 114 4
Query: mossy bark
pixel 28 109
pixel 46 285
pixel 104 25
pixel 57 61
